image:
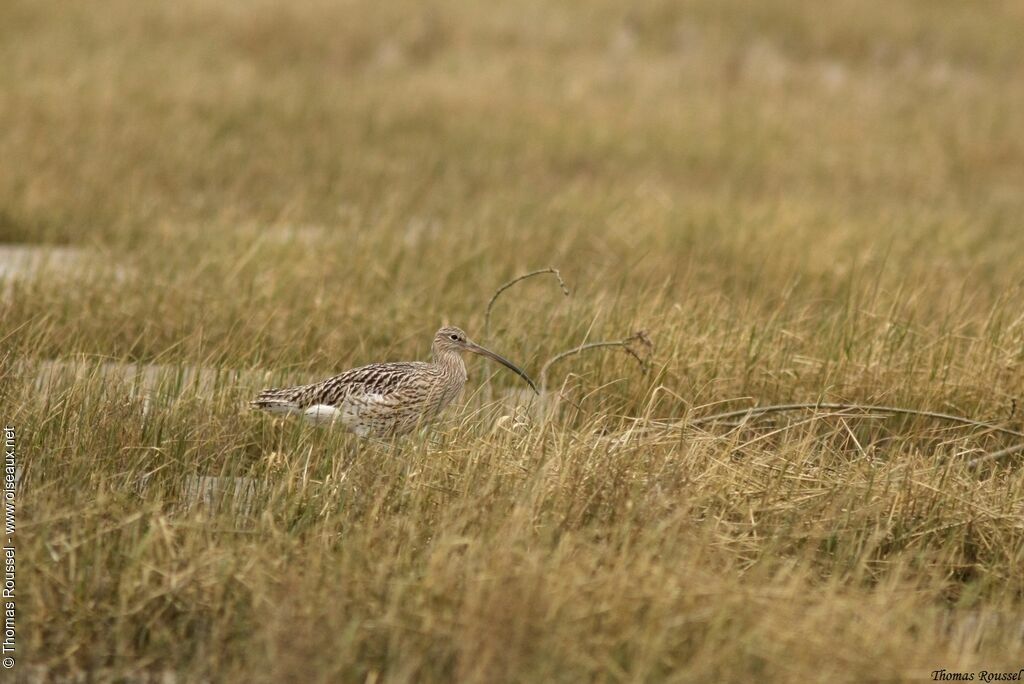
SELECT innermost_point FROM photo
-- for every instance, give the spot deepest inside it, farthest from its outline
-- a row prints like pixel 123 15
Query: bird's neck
pixel 451 361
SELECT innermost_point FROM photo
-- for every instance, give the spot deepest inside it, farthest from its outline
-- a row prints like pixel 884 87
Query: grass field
pixel 795 200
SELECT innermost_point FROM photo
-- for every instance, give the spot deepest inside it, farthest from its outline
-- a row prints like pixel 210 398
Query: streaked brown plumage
pixel 386 399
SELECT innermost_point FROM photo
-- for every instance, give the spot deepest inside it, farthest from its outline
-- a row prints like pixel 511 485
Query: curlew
pixel 386 399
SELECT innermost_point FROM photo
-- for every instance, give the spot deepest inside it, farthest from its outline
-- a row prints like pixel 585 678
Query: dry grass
pixel 797 203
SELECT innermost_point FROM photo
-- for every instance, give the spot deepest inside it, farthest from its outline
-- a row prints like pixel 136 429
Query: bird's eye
pixel 454 337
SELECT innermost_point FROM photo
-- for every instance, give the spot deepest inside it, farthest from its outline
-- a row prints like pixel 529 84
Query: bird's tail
pixel 277 400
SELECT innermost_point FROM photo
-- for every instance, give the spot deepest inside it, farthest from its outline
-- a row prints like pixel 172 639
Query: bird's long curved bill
pixel 477 349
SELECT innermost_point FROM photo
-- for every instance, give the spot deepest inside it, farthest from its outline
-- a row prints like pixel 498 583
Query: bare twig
pixel 996 455
pixel 758 411
pixel 626 344
pixel 843 409
pixel 497 293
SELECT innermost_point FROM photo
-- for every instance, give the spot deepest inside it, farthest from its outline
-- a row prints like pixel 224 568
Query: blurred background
pixel 326 155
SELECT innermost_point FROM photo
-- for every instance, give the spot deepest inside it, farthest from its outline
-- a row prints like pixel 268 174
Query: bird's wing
pixel 379 380
pixel 377 383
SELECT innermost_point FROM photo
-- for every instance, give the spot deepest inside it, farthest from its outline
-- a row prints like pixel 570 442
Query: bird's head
pixel 450 339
